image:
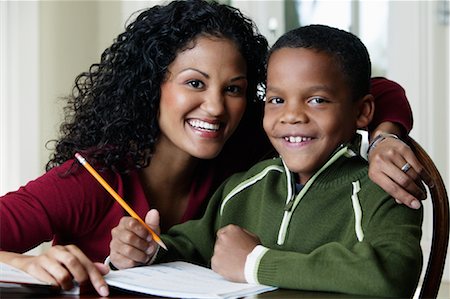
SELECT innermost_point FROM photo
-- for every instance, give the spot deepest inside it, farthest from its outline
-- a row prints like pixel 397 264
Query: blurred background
pixel 44 45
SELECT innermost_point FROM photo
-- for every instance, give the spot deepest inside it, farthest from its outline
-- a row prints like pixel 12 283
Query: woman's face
pixel 203 98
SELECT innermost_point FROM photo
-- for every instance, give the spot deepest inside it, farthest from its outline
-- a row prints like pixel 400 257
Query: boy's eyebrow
pixel 321 87
pixel 314 88
pixel 271 88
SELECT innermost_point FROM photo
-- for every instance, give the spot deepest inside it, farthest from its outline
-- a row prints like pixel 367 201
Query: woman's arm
pixel 44 209
pixel 388 155
pixel 60 265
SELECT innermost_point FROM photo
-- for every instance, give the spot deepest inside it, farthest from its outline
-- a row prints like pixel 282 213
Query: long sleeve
pixel 66 209
pixel 347 235
pixel 193 241
pixel 385 264
pixel 391 104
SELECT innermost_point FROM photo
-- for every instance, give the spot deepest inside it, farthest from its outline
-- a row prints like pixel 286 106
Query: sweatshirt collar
pixel 348 150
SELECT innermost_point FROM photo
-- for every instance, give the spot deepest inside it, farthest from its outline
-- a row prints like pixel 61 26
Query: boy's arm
pixel 386 263
pixel 233 245
pixel 193 241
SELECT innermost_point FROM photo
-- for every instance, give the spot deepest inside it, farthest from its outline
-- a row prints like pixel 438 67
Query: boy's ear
pixel 366 109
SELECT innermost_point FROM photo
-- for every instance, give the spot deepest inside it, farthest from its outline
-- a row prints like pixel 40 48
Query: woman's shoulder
pixel 72 173
pixel 68 184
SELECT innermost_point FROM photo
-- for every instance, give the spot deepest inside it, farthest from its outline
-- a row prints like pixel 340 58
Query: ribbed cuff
pixel 112 267
pixel 109 264
pixel 152 260
pixel 252 263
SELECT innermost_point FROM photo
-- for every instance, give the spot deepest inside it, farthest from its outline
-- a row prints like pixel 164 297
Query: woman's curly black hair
pixel 111 114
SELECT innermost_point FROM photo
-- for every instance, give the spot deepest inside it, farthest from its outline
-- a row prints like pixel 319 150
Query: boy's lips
pixel 297 139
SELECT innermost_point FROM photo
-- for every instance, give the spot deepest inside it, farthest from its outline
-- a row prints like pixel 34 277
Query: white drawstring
pixel 358 211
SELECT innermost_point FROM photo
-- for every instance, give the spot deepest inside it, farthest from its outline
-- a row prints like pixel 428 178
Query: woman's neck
pixel 167 182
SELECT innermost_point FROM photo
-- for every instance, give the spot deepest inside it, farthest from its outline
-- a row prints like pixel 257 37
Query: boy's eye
pixel 317 100
pixel 196 83
pixel 275 100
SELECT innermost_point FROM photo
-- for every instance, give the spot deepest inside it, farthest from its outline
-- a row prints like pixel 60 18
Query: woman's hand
pixel 233 245
pixel 61 265
pixel 389 169
pixel 132 244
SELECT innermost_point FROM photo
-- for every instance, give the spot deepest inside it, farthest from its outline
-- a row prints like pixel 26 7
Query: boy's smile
pixel 309 111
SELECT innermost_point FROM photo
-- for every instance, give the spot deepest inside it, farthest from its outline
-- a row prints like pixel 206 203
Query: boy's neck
pixel 354 144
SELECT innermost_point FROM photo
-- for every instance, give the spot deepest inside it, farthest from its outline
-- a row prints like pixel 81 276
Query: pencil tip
pixel 163 245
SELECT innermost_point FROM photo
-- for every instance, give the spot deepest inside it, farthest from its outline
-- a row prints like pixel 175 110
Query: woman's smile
pixel 203 98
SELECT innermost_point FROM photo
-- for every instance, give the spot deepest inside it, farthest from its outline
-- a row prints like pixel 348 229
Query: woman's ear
pixel 366 109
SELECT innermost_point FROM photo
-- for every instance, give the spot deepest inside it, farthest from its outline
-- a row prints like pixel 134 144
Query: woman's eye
pixel 196 83
pixel 234 89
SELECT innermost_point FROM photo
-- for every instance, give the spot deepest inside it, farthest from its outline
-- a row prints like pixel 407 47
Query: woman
pixel 153 117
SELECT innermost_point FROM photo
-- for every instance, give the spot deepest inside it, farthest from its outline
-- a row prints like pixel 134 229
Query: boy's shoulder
pixel 260 168
pixel 273 163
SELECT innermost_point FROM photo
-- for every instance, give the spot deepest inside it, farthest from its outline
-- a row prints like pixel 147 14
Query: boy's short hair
pixel 346 48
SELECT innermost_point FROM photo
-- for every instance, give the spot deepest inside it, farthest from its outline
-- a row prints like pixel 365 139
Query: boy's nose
pixel 213 104
pixel 293 113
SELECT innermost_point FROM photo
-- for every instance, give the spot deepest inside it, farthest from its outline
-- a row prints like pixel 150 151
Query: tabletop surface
pixel 280 293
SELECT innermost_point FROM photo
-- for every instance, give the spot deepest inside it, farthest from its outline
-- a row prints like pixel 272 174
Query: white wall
pixel 19 94
pixel 44 46
pixel 418 59
pixel 268 15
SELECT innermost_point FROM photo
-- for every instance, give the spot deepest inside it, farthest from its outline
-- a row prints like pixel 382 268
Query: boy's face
pixel 308 109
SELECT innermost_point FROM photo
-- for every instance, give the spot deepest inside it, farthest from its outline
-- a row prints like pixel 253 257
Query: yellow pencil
pixel 118 198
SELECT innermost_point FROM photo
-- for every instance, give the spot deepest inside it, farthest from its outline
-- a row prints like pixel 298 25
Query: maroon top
pixel 75 209
pixel 391 104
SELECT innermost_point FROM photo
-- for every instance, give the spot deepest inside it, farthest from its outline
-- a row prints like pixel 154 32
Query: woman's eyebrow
pixel 239 77
pixel 195 70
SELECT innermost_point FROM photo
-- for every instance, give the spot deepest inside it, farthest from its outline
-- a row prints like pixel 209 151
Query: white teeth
pixel 297 139
pixel 203 125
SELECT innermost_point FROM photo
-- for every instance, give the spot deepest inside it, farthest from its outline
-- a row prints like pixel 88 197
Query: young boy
pixel 311 219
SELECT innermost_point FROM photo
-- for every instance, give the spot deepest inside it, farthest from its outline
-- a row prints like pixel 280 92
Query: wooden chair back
pixel 439 243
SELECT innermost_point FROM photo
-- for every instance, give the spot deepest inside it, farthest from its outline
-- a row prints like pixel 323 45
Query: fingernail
pixel 104 292
pixel 415 204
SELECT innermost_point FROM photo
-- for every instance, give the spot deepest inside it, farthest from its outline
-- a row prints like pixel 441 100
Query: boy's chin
pixel 303 173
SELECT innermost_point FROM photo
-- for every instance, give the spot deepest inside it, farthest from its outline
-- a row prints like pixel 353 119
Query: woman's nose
pixel 214 103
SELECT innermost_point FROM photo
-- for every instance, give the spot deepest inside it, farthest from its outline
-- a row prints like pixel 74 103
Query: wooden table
pixel 285 294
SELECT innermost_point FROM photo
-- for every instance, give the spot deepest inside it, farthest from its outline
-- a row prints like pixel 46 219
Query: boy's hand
pixel 232 246
pixel 61 265
pixel 132 244
pixel 385 163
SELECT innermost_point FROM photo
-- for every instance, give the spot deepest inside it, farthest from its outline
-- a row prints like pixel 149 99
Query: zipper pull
pixel 288 206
